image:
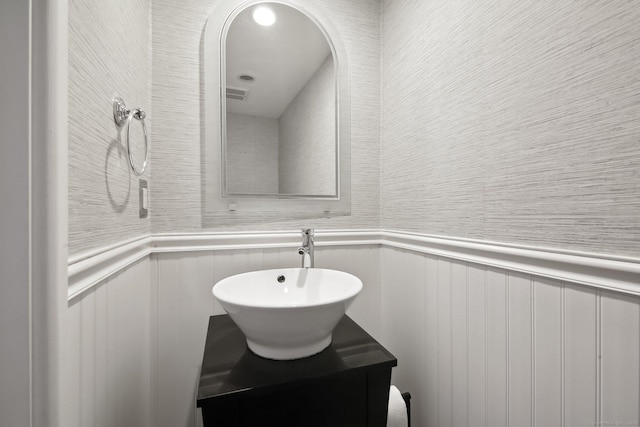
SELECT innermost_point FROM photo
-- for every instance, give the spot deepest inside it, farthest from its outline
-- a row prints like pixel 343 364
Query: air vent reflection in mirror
pixel 237 93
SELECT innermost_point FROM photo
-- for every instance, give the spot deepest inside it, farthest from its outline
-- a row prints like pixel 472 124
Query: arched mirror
pixel 276 108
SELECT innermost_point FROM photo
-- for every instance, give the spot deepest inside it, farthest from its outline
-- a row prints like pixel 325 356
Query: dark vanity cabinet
pixel 347 384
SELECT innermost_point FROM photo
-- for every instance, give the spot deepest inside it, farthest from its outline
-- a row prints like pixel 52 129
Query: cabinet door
pixel 333 402
pixel 355 400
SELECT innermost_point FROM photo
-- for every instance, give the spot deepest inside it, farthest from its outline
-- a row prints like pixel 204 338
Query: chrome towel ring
pixel 122 115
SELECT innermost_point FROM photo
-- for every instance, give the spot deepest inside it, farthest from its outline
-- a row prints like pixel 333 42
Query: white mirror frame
pixel 214 36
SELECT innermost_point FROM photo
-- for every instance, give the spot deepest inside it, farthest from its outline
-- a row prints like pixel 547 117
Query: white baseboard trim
pixel 615 273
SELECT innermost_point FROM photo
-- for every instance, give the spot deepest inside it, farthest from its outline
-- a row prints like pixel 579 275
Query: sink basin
pixel 287 313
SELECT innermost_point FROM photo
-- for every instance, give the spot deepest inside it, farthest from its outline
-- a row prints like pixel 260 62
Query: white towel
pixel 397 413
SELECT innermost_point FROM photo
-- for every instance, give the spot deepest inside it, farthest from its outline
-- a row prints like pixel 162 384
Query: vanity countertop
pixel 230 370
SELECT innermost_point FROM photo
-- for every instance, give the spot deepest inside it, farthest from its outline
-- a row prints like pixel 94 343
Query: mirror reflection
pixel 280 106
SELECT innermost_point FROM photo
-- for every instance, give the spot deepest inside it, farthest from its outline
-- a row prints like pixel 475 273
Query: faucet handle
pixel 307 231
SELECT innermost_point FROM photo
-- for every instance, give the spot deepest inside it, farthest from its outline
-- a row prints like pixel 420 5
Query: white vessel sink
pixel 287 313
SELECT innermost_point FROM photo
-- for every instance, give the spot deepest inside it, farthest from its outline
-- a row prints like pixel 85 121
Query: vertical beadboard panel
pixel 329 257
pixel 431 336
pixel 409 294
pixel 128 347
pixel 620 360
pixel 444 343
pixel 88 365
pixel 477 320
pixel 525 349
pixel 185 303
pixel 497 348
pixel 520 350
pixel 405 335
pixel 361 262
pixel 548 353
pixel 109 348
pixel 73 360
pixel 580 356
pixel 154 315
pixel 228 263
pixel 477 346
pixel 102 408
pixel 386 273
pixel 421 345
pixel 395 295
pixel 280 258
pixel 459 332
pixel 354 262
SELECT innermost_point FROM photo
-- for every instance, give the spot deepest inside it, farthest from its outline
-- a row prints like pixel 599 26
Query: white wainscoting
pixel 109 348
pixel 486 335
pixel 481 346
pixel 185 302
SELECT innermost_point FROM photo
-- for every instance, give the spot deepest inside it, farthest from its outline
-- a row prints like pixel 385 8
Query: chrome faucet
pixel 306 250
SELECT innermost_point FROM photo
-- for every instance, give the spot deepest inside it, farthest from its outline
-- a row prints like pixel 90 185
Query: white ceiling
pixel 281 58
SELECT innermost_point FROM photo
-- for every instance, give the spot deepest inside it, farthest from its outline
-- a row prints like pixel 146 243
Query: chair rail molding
pixel 611 272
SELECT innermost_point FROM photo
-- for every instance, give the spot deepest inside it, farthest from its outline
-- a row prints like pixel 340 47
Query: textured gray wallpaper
pixel 252 154
pixel 513 121
pixel 177 203
pixel 507 121
pixel 307 155
pixel 109 55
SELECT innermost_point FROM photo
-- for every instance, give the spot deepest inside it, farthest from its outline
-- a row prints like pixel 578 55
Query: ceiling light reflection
pixel 264 16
